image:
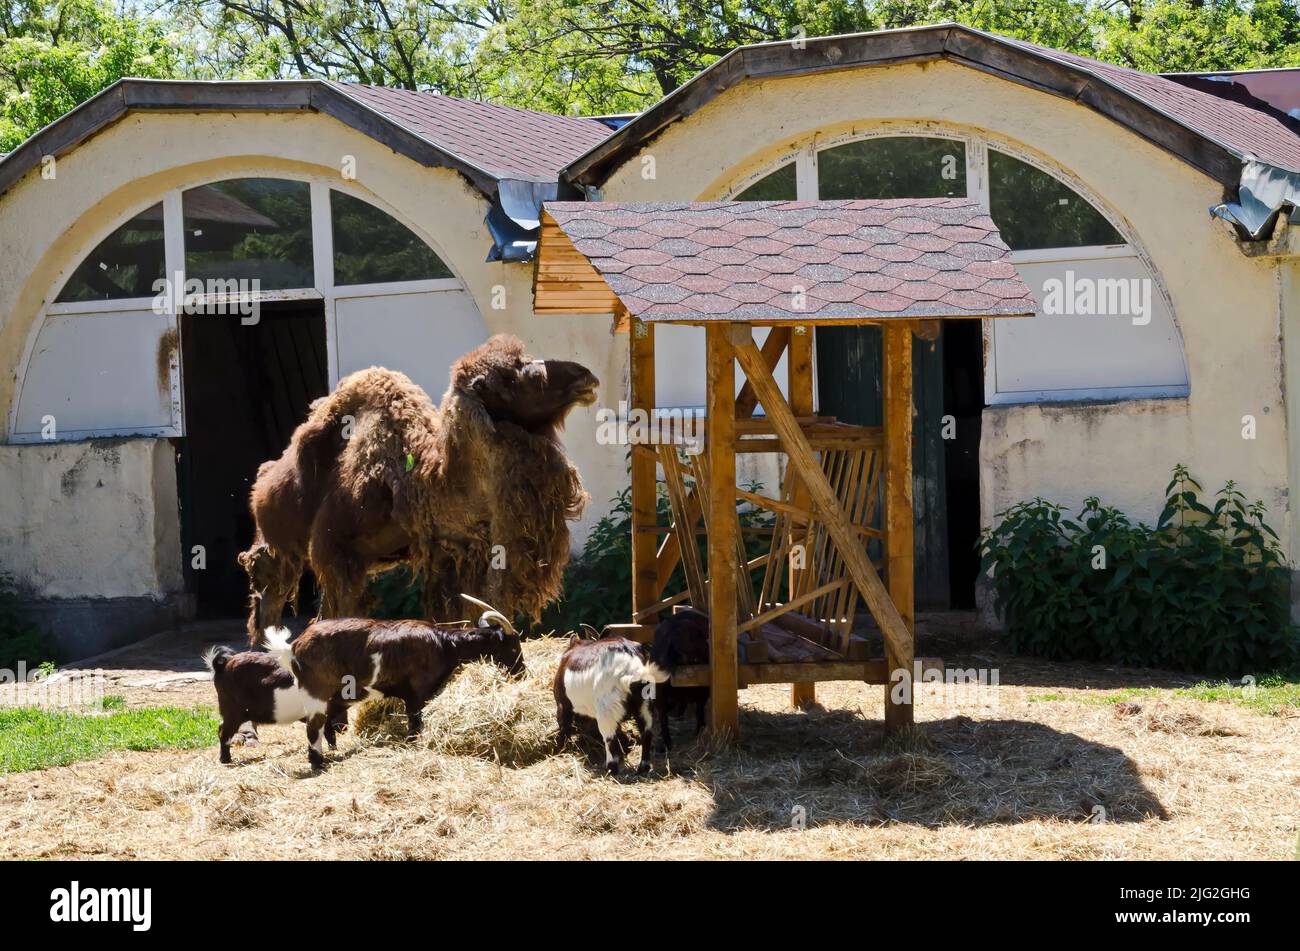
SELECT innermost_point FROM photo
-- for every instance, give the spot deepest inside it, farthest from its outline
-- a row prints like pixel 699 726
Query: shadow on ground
pixel 956 771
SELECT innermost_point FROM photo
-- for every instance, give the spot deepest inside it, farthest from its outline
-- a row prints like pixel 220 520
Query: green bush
pixel 1206 589
pixel 19 638
pixel 395 595
pixel 598 582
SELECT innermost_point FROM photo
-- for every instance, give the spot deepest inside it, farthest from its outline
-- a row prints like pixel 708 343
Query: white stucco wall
pixel 1226 305
pixel 75 514
pixel 48 226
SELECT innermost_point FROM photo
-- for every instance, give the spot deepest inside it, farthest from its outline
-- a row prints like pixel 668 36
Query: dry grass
pixel 1173 778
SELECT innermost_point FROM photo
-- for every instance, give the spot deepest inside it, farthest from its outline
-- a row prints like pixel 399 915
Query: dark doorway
pixel 247 386
pixel 947 380
pixel 963 401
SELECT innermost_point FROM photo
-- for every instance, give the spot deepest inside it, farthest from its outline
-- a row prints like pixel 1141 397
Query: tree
pixel 54 55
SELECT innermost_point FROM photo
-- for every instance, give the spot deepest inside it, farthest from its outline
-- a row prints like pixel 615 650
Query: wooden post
pixel 724 716
pixel 645 589
pixel 799 387
pixel 899 543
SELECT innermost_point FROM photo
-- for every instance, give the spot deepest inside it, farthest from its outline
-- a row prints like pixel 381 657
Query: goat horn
pixel 490 612
pixel 594 633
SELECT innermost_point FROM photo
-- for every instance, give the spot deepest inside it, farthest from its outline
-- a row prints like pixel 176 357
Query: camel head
pixel 514 387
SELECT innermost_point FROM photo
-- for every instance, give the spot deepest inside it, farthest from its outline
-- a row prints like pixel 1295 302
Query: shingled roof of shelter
pixel 798 260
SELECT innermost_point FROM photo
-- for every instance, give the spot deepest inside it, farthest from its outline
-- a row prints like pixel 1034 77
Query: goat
pixel 680 639
pixel 253 688
pixel 340 661
pixel 605 680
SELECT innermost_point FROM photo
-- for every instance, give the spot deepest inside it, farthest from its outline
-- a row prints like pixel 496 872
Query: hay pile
pixel 1173 778
pixel 482 712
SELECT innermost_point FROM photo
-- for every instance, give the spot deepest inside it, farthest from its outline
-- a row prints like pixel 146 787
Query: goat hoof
pixel 316 761
pixel 225 757
pixel 643 768
pixel 613 769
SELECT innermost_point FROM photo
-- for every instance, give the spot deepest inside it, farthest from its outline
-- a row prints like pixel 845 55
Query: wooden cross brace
pixel 898 637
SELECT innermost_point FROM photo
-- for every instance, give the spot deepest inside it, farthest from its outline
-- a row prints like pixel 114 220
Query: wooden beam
pixel 724 714
pixel 778 338
pixel 896 632
pixel 799 386
pixel 645 591
pixel 899 542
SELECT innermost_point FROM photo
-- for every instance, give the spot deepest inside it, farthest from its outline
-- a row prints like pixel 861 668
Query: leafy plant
pixel 20 639
pixel 395 595
pixel 1207 588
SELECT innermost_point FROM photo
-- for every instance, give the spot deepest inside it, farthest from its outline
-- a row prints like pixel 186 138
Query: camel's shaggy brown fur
pixel 377 476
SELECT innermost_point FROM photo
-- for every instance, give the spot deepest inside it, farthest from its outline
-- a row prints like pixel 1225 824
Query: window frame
pixel 323 288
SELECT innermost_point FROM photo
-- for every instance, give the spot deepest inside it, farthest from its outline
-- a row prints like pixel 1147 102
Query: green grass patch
pixel 1271 695
pixel 32 738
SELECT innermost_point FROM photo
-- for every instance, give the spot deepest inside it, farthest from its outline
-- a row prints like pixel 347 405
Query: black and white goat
pixel 606 680
pixel 253 688
pixel 680 639
pixel 341 661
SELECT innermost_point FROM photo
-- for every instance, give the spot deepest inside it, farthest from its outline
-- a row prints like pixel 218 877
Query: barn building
pixel 305 229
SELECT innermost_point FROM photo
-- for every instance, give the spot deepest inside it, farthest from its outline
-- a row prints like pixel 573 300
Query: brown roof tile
pixel 502 140
pixel 786 260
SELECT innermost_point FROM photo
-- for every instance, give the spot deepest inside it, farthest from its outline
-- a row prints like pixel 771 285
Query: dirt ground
pixel 1039 767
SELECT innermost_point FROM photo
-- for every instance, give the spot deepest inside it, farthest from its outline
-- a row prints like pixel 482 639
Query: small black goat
pixel 341 661
pixel 606 680
pixel 680 640
pixel 252 688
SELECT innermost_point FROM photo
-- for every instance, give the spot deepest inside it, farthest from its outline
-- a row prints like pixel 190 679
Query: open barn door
pixel 247 387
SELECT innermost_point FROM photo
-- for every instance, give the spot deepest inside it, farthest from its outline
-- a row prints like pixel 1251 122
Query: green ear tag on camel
pixel 410 462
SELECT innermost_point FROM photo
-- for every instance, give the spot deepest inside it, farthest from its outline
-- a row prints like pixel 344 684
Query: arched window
pixel 896 166
pixel 372 247
pixel 1104 329
pixel 777 186
pixel 106 359
pixel 126 264
pixel 1034 210
pixel 250 229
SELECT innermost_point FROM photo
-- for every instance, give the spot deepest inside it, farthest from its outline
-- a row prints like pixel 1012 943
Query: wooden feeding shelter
pixel 841 522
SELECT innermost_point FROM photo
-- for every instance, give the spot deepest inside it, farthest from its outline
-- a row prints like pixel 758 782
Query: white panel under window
pixel 679 366
pixel 1088 351
pixel 421 335
pixel 98 374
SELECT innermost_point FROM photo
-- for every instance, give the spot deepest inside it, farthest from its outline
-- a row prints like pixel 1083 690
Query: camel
pixel 475 495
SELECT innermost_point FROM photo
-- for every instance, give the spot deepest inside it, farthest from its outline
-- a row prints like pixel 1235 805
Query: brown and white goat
pixel 606 680
pixel 680 639
pixel 253 688
pixel 341 661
